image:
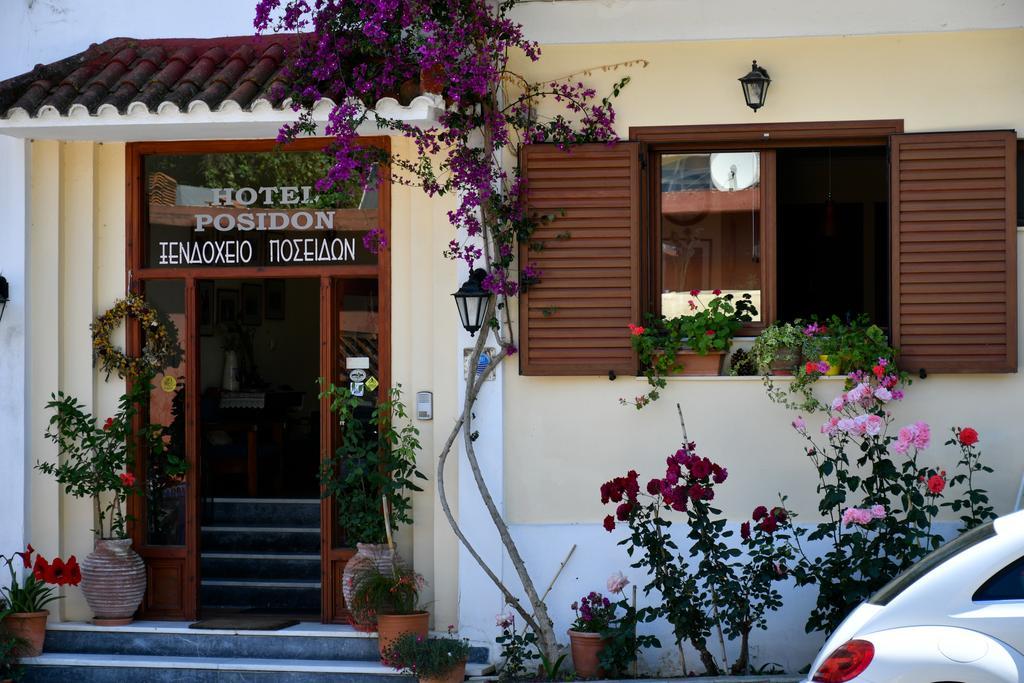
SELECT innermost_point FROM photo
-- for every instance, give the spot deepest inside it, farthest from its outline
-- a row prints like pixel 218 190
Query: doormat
pixel 244 623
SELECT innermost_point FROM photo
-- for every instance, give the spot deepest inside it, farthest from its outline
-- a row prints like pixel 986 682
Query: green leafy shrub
pixel 427 657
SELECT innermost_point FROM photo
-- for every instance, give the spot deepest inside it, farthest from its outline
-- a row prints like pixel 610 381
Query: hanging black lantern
pixel 755 86
pixel 471 300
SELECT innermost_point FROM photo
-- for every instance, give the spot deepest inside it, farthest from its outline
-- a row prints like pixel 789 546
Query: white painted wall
pixel 13 349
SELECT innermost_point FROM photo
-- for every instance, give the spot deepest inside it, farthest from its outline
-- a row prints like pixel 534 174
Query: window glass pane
pixel 252 209
pixel 710 228
pixel 1008 584
pixel 832 232
pixel 165 486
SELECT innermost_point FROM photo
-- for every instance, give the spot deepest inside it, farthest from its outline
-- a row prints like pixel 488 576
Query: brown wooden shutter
pixel 574 322
pixel 954 251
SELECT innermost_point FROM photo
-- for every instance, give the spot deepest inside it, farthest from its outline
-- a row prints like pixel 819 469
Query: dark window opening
pixel 832 232
pixel 1008 584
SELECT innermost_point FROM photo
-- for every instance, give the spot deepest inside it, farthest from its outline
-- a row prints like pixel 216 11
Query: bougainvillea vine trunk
pixel 352 53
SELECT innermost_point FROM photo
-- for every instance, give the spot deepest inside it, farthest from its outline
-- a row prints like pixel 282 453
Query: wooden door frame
pixel 183 561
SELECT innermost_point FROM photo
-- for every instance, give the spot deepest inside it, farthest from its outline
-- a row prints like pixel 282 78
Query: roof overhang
pixel 228 122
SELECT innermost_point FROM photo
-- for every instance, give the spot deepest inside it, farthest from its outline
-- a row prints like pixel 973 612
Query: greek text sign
pixel 194 219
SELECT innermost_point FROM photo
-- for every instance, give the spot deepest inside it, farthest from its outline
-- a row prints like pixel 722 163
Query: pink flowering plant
pixel 708 328
pixel 427 658
pixel 718 588
pixel 879 496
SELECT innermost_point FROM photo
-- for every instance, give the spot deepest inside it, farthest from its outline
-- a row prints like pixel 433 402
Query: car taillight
pixel 845 662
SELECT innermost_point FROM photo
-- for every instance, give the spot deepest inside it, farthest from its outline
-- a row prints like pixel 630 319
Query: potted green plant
pixel 96 461
pixel 23 610
pixel 370 477
pixel 692 344
pixel 432 660
pixel 10 658
pixel 392 597
pixel 778 350
pixel 588 635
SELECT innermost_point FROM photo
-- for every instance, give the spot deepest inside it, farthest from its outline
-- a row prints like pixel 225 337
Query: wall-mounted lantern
pixel 755 86
pixel 5 295
pixel 471 300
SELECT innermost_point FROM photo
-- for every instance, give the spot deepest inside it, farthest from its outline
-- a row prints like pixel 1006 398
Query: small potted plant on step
pixel 595 615
pixel 23 610
pixel 393 596
pixel 693 344
pixel 10 662
pixel 96 461
pixel 432 660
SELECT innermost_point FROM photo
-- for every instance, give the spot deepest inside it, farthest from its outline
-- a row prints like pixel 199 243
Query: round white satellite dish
pixel 731 171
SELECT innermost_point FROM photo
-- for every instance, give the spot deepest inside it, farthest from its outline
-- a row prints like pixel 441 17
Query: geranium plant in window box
pixel 693 344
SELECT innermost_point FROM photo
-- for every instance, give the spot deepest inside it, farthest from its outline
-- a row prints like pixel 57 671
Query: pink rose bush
pixel 879 497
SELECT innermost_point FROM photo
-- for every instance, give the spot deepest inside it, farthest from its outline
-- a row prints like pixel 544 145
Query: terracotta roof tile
pixel 121 72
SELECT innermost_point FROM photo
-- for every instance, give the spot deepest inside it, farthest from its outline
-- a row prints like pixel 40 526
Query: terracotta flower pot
pixel 368 557
pixel 391 626
pixel 697 365
pixel 785 361
pixel 433 80
pixel 586 653
pixel 113 581
pixel 456 675
pixel 30 627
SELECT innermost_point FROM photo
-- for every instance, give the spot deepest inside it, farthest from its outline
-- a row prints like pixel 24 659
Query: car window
pixel 930 561
pixel 1008 584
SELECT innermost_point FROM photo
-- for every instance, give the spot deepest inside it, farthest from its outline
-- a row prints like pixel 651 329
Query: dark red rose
pixel 769 524
pixel 697 492
pixel 745 530
pixel 622 512
pixel 780 514
pixel 968 436
pixel 609 523
pixel 654 487
pixel 760 512
pixel 719 474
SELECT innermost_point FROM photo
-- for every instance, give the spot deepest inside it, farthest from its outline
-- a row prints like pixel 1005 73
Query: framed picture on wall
pixel 273 299
pixel 206 310
pixel 227 306
pixel 252 304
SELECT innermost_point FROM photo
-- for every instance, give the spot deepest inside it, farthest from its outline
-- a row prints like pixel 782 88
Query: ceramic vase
pixel 113 581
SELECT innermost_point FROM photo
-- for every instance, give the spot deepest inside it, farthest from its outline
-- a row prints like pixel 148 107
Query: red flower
pixel 127 478
pixel 760 512
pixel 108 424
pixel 780 514
pixel 694 292
pixel 40 568
pixel 936 484
pixel 710 333
pixel 745 530
pixel 968 436
pixel 26 556
pixel 636 330
pixel 769 524
pixel 811 367
pixel 74 571
pixel 879 371
pixel 609 523
pixel 622 512
pixel 57 573
pixel 716 292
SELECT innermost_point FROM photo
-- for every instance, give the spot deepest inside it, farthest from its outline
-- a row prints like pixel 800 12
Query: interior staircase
pixel 260 555
pixel 158 652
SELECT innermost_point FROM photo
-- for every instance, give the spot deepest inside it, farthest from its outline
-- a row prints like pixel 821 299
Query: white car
pixel 955 616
